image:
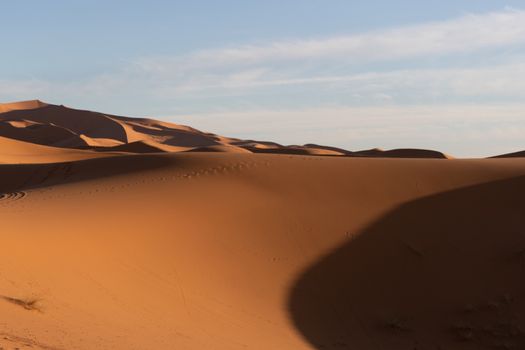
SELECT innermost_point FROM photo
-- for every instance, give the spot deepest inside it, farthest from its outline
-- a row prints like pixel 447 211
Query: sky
pixel 446 75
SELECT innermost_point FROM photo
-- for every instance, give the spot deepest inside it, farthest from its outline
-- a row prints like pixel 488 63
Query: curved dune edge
pixel 14 106
pixel 58 126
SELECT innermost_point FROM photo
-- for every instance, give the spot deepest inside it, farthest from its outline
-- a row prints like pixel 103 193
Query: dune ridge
pixel 13 106
pixel 59 126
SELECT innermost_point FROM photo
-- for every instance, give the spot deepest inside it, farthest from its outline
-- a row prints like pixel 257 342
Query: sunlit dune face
pixel 24 105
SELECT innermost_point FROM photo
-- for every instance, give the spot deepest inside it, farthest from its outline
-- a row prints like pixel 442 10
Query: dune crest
pixel 22 105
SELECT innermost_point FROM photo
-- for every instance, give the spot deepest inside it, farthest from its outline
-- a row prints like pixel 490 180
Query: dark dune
pixel 401 153
pixel 519 154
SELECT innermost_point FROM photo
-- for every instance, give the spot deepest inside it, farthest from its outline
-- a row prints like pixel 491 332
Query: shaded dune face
pixel 34 176
pixel 442 272
pixel 519 154
pixel 42 134
pixel 402 153
pixel 77 122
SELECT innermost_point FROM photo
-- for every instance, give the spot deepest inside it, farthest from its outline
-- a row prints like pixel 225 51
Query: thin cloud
pixel 223 71
pixel 247 70
pixel 465 34
pixel 497 80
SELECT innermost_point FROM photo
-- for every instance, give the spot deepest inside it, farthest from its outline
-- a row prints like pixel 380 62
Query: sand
pixel 216 247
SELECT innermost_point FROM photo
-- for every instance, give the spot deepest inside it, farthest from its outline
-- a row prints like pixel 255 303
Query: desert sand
pixel 124 233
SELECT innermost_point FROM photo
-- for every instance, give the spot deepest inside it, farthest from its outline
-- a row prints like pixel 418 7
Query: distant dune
pixel 59 126
pixel 23 105
pixel 122 233
pixel 519 154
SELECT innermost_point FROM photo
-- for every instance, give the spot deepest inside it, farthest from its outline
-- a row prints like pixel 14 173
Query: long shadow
pixel 19 177
pixel 442 272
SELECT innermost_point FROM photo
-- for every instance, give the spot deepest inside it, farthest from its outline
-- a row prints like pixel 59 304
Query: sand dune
pixel 33 104
pixel 519 154
pixel 402 153
pixel 133 265
pixel 59 126
pixel 134 240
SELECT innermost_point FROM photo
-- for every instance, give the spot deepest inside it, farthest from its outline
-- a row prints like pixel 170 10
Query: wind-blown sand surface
pixel 115 247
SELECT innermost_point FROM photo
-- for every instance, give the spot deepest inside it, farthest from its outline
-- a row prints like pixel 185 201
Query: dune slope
pixel 244 251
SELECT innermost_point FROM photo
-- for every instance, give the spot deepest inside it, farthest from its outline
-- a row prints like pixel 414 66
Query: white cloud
pixel 503 82
pixel 223 71
pixel 249 69
pixel 469 33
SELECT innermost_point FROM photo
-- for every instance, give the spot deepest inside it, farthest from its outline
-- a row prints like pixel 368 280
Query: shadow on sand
pixel 19 177
pixel 441 272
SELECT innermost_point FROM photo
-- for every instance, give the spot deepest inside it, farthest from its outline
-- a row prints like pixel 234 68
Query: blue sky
pixel 447 75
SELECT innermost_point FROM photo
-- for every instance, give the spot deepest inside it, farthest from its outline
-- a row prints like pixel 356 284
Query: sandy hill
pixel 59 126
pixel 519 154
pixel 221 248
pixel 22 105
